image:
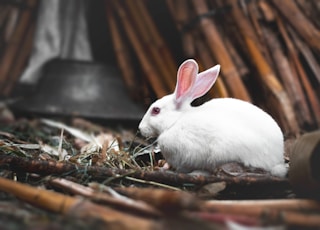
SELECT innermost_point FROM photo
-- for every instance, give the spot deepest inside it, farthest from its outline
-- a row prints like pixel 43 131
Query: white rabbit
pixel 219 131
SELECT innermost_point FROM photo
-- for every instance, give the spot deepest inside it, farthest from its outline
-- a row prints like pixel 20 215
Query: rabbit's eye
pixel 155 110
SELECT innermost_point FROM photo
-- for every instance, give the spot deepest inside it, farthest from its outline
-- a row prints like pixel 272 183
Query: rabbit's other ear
pixel 204 81
pixel 186 76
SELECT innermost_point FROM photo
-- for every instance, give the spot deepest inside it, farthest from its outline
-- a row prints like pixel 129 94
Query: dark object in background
pixel 304 171
pixel 85 89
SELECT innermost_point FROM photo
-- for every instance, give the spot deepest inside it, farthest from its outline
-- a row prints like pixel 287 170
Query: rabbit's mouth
pixel 146 132
pixel 149 139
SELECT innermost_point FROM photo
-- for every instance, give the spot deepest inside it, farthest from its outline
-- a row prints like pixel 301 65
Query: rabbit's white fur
pixel 219 131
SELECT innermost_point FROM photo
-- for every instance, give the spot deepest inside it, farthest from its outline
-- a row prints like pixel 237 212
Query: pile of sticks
pixel 268 51
pixel 17 25
pixel 151 208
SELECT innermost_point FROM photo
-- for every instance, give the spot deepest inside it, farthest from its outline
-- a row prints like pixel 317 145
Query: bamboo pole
pixel 76 207
pixel 299 21
pixel 311 10
pixel 229 71
pixel 153 76
pixel 219 89
pixel 152 41
pixel 5 12
pixel 11 23
pixel 158 40
pixel 13 48
pixel 303 213
pixel 307 54
pixel 254 207
pixel 98 196
pixel 238 61
pixel 181 14
pixel 122 54
pixel 293 55
pixel 284 110
pixel 256 17
pixel 289 79
pixel 21 60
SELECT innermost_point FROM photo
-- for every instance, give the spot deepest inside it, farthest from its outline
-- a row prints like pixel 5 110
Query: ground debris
pixel 114 179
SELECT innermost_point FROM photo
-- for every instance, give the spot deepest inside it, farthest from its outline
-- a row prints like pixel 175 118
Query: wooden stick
pixel 21 61
pixel 122 54
pixel 180 12
pixel 303 220
pixel 158 40
pixel 256 17
pixel 219 89
pixel 12 20
pixel 5 12
pixel 127 205
pixel 99 173
pixel 163 199
pixel 253 207
pixel 312 98
pixel 310 9
pixel 14 46
pixel 299 21
pixel 238 61
pixel 152 41
pixel 289 212
pixel 229 71
pixel 75 207
pixel 147 65
pixel 45 199
pixel 290 81
pixel 284 111
pixel 308 55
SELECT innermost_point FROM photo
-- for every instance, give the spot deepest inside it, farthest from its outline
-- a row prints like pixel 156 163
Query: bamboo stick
pixel 253 207
pixel 147 66
pixel 150 38
pixel 76 207
pixel 256 17
pixel 299 21
pixel 97 173
pixel 289 80
pixel 41 198
pixel 219 89
pixel 229 71
pixel 238 61
pixel 293 55
pixel 285 112
pixel 311 9
pixel 267 11
pixel 163 199
pixel 125 204
pixel 180 12
pixel 11 22
pixel 4 15
pixel 14 46
pixel 158 40
pixel 290 212
pixel 20 61
pixel 160 44
pixel 122 54
pixel 308 55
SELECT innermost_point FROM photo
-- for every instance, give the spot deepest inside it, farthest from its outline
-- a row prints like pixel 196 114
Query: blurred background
pixel 109 59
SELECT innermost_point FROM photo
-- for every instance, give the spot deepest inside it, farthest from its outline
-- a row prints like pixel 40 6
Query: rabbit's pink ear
pixel 185 80
pixel 204 81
